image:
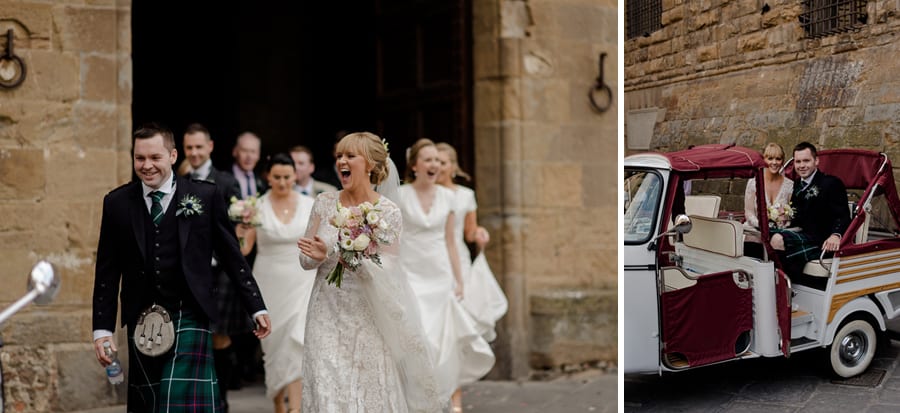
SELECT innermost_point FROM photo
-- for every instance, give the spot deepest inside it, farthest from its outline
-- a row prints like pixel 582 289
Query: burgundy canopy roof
pixel 716 161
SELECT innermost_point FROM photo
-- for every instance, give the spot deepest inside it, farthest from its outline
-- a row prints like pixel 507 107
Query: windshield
pixel 643 190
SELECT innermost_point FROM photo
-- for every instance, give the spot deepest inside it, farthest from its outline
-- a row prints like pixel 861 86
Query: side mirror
pixel 43 279
pixel 43 284
pixel 682 225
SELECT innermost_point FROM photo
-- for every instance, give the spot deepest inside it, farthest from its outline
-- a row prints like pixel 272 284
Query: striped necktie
pixel 156 209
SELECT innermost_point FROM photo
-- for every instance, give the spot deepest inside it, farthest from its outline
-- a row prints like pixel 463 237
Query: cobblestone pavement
pixel 802 383
pixel 587 391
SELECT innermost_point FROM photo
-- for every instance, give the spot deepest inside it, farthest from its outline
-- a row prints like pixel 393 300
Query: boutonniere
pixel 811 192
pixel 189 205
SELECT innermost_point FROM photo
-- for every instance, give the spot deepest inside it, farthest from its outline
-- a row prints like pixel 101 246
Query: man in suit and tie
pixel 306 184
pixel 233 319
pixel 157 237
pixel 821 212
pixel 246 155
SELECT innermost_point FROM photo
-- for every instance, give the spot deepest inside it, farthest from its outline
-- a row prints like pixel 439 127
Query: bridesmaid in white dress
pixel 484 300
pixel 366 350
pixel 430 258
pixel 286 287
pixel 778 189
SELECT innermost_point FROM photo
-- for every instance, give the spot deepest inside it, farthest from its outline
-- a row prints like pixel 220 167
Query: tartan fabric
pixel 233 318
pixel 156 209
pixel 798 250
pixel 180 381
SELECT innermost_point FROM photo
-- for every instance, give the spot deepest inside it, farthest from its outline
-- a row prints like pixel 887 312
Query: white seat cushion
pixel 720 236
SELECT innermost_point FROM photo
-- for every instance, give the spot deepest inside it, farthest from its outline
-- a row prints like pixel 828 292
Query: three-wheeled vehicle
pixel 692 297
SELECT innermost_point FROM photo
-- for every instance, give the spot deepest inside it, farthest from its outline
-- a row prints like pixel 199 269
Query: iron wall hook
pixel 12 67
pixel 599 88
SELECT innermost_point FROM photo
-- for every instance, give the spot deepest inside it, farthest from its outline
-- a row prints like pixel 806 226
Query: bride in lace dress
pixel 365 346
pixel 778 189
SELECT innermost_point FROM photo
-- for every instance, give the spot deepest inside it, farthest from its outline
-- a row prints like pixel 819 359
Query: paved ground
pixel 799 384
pixel 588 391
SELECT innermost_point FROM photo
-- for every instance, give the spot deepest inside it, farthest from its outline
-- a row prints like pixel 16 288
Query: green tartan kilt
pixel 798 250
pixel 182 380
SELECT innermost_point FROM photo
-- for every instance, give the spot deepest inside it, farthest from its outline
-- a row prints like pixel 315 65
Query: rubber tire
pixel 861 336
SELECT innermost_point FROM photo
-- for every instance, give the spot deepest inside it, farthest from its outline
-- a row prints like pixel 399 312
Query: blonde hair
pixel 370 146
pixel 412 155
pixel 451 153
pixel 774 150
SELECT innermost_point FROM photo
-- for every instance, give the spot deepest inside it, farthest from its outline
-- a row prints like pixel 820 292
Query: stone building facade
pixel 751 73
pixel 543 158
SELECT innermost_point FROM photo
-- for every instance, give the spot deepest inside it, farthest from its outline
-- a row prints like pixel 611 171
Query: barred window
pixel 643 17
pixel 826 17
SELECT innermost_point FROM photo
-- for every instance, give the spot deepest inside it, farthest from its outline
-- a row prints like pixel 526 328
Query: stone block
pixel 124 82
pixel 561 185
pixel 753 41
pixel 707 53
pixel 36 21
pixel 34 123
pixel 510 58
pixel 542 246
pixel 82 382
pixel 485 58
pixel 99 75
pixel 53 324
pixel 515 19
pixel 584 21
pixel 485 18
pixel 22 173
pixel 30 383
pixel 540 141
pixel 84 29
pixel 97 125
pixel 90 178
pixel 514 183
pixel 18 258
pixel 673 15
pixel 572 327
pixel 487 101
pixel 52 76
pixel 543 99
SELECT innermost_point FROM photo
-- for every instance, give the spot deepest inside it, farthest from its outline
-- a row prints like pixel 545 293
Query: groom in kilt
pixel 157 237
pixel 822 213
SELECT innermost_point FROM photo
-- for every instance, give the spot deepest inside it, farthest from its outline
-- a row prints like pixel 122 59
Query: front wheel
pixel 853 348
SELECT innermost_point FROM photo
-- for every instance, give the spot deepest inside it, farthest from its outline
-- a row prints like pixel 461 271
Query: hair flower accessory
pixel 385 144
pixel 189 205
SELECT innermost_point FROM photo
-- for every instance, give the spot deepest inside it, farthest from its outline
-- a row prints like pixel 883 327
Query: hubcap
pixel 853 348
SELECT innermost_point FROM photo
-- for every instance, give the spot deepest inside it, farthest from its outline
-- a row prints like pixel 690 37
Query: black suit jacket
pixel 226 183
pixel 121 253
pixel 821 209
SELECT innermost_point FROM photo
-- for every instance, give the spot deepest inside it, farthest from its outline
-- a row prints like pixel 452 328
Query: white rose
pixel 341 217
pixel 366 207
pixel 373 219
pixel 347 244
pixel 346 234
pixel 361 242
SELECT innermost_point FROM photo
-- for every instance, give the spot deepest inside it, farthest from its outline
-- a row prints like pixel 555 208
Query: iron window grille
pixel 643 17
pixel 826 17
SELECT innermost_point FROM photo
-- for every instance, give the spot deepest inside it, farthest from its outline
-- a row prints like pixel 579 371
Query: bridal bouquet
pixel 244 211
pixel 780 215
pixel 360 230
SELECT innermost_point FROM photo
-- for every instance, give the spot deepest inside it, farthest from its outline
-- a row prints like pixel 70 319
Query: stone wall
pixel 546 165
pixel 728 71
pixel 64 142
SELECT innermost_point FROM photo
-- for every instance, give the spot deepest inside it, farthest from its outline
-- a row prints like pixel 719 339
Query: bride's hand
pixel 313 248
pixel 458 291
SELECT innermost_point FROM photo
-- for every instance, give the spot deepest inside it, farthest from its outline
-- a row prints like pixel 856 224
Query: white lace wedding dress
pixel 365 348
pixel 286 288
pixel 483 297
pixel 462 355
pixel 783 198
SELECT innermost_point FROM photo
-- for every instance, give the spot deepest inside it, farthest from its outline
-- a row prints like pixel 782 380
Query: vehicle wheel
pixel 853 348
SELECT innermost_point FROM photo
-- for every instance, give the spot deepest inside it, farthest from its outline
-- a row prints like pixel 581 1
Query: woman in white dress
pixel 484 300
pixel 366 350
pixel 430 258
pixel 778 189
pixel 286 287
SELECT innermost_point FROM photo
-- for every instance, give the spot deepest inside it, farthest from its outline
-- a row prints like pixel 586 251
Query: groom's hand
pixel 100 353
pixel 263 326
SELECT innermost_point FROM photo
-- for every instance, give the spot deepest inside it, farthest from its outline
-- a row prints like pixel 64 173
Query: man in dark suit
pixel 233 319
pixel 246 155
pixel 157 237
pixel 821 212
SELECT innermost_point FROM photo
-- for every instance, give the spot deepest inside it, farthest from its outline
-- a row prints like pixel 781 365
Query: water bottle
pixel 114 371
